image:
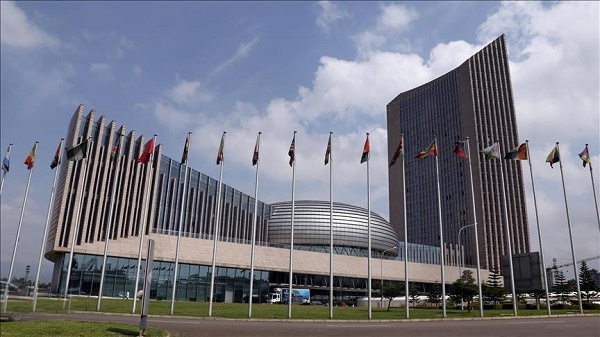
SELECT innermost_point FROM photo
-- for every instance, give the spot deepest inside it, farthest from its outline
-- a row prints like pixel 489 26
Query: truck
pixel 299 296
pixel 274 298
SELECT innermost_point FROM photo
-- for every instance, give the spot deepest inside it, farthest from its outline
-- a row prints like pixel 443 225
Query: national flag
pixel 399 152
pixel 328 151
pixel 585 156
pixel 145 157
pixel 78 152
pixel 56 160
pixel 459 149
pixel 292 150
pixel 255 154
pixel 431 150
pixel 6 160
pixel 31 157
pixel 366 151
pixel 220 152
pixel 553 156
pixel 518 153
pixel 492 151
pixel 186 147
pixel 115 149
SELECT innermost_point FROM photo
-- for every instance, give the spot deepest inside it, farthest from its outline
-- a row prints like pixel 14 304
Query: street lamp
pixel 462 303
pixel 382 272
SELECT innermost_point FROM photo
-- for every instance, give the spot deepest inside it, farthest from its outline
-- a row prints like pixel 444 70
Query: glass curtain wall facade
pixel 231 284
pixel 474 100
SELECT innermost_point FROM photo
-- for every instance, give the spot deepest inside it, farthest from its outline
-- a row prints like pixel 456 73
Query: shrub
pixel 591 306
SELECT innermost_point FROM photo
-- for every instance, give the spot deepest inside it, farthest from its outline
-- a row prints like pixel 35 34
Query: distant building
pixel 474 100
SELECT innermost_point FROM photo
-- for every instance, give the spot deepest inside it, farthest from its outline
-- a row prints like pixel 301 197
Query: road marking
pixel 536 322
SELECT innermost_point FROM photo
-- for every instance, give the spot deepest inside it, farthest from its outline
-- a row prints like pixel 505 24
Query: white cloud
pixel 556 98
pixel 396 18
pixel 17 31
pixel 171 117
pixel 243 51
pixel 329 13
pixel 391 23
pixel 189 93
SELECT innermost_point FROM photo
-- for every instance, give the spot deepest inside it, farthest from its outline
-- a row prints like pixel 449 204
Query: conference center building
pixel 147 199
pixel 473 101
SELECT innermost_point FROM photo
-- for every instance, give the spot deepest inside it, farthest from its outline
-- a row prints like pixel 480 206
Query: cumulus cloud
pixel 393 20
pixel 551 79
pixel 329 13
pixel 189 92
pixel 17 31
pixel 396 18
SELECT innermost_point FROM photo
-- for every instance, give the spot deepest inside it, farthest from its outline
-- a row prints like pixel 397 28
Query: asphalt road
pixel 554 326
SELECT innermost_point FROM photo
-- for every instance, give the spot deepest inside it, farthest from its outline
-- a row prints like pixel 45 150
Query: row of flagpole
pixel 79 152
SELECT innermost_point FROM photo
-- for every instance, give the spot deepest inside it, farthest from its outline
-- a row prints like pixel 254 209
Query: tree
pixel 561 287
pixel 414 294
pixel 435 294
pixel 586 282
pixel 493 290
pixel 464 289
pixel 391 291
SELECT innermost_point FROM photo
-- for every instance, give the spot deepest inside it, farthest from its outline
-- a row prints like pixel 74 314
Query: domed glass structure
pixel 350 230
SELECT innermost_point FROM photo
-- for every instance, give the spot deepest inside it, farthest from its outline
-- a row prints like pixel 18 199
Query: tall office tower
pixel 474 100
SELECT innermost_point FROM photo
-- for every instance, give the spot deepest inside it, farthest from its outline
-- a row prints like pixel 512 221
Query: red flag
pixel 31 157
pixel 56 161
pixel 366 150
pixel 459 149
pixel 399 151
pixel 145 157
pixel 115 148
pixel 431 150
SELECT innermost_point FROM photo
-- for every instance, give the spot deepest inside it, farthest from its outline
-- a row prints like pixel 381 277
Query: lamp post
pixel 460 257
pixel 382 272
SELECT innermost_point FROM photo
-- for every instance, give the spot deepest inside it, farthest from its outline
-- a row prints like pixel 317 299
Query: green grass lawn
pixel 263 311
pixel 72 328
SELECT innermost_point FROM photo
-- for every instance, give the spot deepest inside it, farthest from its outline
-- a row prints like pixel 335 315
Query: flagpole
pixel 115 178
pixel 12 261
pixel 254 225
pixel 369 280
pixel 508 240
pixel 4 172
pixel 180 223
pixel 548 309
pixel 442 251
pixel 406 284
pixel 143 224
pixel 593 187
pixel 76 227
pixel 570 234
pixel 216 230
pixel 291 273
pixel 39 268
pixel 330 228
pixel 480 293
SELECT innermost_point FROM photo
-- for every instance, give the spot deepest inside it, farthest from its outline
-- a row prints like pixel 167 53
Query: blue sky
pixel 243 67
